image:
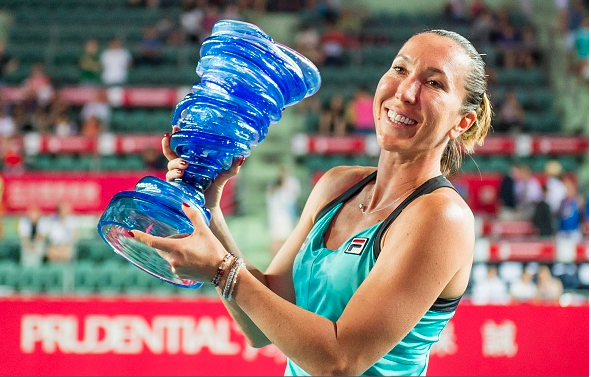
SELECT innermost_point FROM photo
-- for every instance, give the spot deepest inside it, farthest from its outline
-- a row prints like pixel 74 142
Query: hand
pixel 195 256
pixel 176 167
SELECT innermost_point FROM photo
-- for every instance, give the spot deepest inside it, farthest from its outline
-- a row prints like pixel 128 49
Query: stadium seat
pixel 30 279
pixel 8 275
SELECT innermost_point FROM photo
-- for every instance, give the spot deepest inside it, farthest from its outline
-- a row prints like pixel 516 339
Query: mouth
pixel 400 119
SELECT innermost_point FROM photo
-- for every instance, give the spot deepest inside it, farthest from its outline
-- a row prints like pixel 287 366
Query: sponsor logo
pixel 356 246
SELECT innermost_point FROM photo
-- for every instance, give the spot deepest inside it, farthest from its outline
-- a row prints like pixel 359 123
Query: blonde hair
pixel 476 100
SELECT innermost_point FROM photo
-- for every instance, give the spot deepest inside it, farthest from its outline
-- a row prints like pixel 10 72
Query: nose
pixel 408 90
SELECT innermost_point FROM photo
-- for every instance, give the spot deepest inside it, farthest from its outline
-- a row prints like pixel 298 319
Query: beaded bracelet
pixel 220 272
pixel 230 281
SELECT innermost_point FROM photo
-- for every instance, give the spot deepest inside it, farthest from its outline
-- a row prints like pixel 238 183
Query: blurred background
pixel 87 89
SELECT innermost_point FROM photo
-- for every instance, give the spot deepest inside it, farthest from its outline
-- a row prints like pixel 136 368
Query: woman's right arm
pixel 278 277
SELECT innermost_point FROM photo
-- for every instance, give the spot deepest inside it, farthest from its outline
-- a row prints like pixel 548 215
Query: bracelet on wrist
pixel 222 268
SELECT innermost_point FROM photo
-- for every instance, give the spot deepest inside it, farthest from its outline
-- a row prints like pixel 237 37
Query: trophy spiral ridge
pixel 247 80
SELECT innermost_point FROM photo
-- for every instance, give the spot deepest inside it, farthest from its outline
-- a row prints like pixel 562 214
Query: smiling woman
pixel 380 259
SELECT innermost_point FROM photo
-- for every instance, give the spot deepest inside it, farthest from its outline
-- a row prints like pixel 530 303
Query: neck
pixel 398 179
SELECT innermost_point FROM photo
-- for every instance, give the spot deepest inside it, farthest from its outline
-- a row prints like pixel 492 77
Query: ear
pixel 466 121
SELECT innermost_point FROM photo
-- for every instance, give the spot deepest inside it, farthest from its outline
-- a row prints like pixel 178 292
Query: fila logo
pixel 356 246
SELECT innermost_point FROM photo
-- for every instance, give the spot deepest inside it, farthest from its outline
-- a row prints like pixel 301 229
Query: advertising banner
pixel 87 193
pixel 197 337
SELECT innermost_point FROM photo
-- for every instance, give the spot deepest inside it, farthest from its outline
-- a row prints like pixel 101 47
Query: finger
pixel 237 163
pixel 162 245
pixel 194 215
pixel 171 175
pixel 234 169
pixel 166 149
pixel 175 129
pixel 177 163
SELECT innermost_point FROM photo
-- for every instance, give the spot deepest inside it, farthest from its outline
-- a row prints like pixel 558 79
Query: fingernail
pixel 185 204
pixel 167 135
pixel 130 234
pixel 183 162
pixel 241 160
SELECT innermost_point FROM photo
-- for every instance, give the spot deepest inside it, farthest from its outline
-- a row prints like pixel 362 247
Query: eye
pixel 435 84
pixel 398 69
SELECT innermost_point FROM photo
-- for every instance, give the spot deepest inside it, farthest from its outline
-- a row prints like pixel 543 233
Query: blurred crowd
pixel 332 37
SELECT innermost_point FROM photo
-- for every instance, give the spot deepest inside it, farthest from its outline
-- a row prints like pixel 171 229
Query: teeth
pixel 399 118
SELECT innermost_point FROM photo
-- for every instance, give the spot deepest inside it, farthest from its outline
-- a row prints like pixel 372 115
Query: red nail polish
pixel 186 205
pixel 242 158
pixel 130 234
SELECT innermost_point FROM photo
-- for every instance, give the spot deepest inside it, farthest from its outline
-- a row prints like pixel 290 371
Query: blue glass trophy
pixel 247 80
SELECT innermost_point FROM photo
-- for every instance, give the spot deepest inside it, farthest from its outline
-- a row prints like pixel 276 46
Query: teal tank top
pixel 325 280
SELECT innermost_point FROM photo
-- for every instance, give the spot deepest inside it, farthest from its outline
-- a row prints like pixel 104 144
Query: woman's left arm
pixel 426 247
pixel 429 248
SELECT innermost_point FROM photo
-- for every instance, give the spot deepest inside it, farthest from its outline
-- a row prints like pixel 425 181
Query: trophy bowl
pixel 246 82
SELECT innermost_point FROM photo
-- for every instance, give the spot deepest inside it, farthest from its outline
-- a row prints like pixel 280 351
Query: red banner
pixel 86 192
pixel 118 336
pixel 522 340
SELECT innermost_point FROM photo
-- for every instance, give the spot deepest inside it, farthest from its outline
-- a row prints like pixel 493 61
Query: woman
pixel 352 291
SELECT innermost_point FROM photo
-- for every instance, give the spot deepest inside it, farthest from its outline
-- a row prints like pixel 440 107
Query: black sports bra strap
pixel 427 187
pixel 346 195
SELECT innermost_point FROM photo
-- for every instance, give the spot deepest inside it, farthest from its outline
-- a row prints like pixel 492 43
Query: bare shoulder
pixel 444 206
pixel 338 179
pixel 441 214
pixel 334 182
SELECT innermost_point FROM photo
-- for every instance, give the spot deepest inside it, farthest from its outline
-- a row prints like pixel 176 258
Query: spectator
pixel 359 111
pixel 57 108
pixel 333 44
pixel 115 62
pixel 32 228
pixel 149 51
pixel 555 188
pixel 549 287
pixel 569 214
pixel 211 16
pixel 477 8
pixel 332 117
pixel 483 27
pixel 8 63
pixel 99 106
pixel 507 200
pixel 456 11
pixel 191 19
pixel 231 11
pixel 64 126
pixel 511 115
pixel 12 155
pixel 529 54
pixel 282 195
pixel 507 44
pixel 28 113
pixel 89 63
pixel 168 31
pixel 7 124
pixel 307 42
pixel 62 235
pixel 39 83
pixel 542 218
pixel 525 288
pixel 92 127
pixel 528 191
pixel 581 48
pixel 491 289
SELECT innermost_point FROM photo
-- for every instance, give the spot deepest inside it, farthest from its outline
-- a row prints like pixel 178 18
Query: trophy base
pixel 154 208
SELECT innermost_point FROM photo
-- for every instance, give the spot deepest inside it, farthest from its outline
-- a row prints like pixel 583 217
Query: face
pixel 417 104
